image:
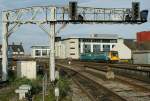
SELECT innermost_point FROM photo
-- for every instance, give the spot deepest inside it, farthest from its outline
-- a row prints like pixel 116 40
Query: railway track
pixel 126 91
pixel 130 71
pixel 123 74
pixel 94 90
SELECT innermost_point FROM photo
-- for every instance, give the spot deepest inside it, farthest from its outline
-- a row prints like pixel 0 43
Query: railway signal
pixel 52 15
pixel 135 10
pixel 73 10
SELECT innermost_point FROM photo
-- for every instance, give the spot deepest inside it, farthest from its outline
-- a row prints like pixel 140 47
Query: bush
pixel 35 84
pixel 64 86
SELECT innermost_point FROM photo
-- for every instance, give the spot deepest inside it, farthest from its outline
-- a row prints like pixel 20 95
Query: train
pixel 103 56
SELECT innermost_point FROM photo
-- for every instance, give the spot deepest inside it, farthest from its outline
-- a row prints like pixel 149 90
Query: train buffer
pixel 110 74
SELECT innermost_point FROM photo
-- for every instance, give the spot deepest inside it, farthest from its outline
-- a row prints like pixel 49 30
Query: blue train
pixel 103 56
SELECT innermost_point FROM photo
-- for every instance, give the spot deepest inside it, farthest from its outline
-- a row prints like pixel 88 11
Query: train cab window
pixel 114 53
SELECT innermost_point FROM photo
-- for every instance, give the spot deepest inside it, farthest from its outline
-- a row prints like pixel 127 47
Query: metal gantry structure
pixel 52 15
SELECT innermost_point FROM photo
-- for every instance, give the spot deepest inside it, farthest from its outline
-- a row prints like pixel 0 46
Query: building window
pixel 72 48
pixel 72 53
pixel 113 46
pixel 86 48
pixel 106 40
pixel 37 52
pixel 72 42
pixel 106 47
pixel 48 52
pixel 96 48
pixel 86 40
pixel 18 50
pixel 44 53
pixel 113 41
pixel 97 40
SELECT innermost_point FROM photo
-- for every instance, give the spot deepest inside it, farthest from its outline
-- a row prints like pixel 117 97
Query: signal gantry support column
pixel 4 46
pixel 52 44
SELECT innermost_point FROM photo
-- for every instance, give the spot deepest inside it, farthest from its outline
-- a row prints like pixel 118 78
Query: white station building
pixel 40 51
pixel 71 47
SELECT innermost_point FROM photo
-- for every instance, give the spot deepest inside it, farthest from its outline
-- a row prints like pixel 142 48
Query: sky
pixel 32 35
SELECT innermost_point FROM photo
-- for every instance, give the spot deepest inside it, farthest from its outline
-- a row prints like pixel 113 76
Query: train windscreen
pixel 114 53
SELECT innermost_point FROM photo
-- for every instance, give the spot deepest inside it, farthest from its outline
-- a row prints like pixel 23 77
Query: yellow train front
pixel 103 56
pixel 113 57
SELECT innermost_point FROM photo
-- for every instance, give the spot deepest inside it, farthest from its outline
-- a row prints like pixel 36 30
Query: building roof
pixel 93 36
pixel 105 36
pixel 40 47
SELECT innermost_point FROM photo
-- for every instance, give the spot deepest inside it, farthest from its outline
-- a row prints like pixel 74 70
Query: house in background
pixel 14 50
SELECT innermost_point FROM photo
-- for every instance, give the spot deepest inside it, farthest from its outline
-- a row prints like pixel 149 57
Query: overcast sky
pixel 32 35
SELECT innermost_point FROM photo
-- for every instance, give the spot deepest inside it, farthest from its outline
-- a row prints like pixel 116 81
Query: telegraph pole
pixel 4 46
pixel 52 44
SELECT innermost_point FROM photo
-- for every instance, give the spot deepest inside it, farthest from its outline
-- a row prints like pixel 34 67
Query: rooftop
pixel 40 47
pixel 93 36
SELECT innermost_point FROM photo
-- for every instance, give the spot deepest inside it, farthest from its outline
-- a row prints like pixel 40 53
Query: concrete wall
pixel 141 58
pixel 72 48
pixel 67 49
pixel 26 69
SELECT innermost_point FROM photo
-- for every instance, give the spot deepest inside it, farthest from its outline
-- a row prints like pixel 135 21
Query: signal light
pixel 144 15
pixel 73 10
pixel 135 10
pixel 80 17
pixel 128 18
